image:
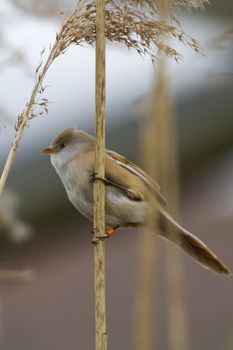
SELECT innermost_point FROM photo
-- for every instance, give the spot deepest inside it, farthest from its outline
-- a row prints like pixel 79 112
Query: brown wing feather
pixel 126 164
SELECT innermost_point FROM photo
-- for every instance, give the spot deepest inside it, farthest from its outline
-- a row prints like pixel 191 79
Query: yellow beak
pixel 49 150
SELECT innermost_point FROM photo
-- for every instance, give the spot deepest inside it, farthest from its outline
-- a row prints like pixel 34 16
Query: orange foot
pixel 110 232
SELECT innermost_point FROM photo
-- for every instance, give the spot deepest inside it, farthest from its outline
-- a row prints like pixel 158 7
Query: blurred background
pixel 55 311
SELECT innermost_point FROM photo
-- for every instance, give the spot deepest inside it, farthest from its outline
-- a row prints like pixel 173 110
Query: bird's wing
pixel 132 168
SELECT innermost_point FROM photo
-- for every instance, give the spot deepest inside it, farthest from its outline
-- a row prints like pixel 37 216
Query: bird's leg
pixel 95 238
pixel 111 231
pixel 108 234
pixel 94 177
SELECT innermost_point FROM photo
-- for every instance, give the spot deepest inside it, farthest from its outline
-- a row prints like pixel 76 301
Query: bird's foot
pixel 94 177
pixel 96 238
pixel 108 234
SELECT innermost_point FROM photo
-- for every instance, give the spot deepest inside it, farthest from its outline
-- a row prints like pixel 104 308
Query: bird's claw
pixel 94 177
pixel 96 239
pixel 108 234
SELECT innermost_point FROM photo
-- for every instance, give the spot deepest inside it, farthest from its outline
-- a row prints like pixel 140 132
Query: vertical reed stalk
pixel 99 189
pixel 147 266
pixel 146 296
pixel 168 178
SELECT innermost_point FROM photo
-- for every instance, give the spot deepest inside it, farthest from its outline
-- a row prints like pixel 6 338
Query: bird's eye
pixel 62 145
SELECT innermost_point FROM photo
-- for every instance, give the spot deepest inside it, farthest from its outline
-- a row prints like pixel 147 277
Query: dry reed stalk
pixel 157 147
pixel 148 254
pixel 99 187
pixel 60 45
pixel 177 321
pixel 147 266
pixel 22 120
pixel 157 134
pixel 167 173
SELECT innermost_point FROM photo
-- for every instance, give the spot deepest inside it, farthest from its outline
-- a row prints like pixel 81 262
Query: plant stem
pixel 23 118
pixel 145 320
pixel 168 176
pixel 27 113
pixel 99 189
pixel 176 311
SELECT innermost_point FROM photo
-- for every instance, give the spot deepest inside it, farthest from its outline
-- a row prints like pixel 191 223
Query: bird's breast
pixel 120 209
pixel 76 180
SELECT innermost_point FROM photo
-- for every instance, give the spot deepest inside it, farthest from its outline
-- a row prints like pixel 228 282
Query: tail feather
pixel 193 246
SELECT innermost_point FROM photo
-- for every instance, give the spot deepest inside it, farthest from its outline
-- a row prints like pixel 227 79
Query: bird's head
pixel 69 143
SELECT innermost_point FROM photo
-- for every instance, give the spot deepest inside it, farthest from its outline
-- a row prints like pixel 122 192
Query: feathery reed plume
pixel 99 186
pixel 130 25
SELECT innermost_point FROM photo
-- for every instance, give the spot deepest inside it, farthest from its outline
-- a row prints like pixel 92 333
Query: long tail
pixel 193 246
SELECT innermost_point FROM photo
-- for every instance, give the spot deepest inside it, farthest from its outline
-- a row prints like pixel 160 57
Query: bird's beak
pixel 49 150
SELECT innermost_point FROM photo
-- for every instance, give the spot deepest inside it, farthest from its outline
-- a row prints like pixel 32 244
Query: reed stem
pixel 99 189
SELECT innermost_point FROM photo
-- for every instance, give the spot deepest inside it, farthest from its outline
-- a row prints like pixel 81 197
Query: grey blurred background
pixel 56 310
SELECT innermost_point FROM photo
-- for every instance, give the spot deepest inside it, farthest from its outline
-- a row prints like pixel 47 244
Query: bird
pixel 131 196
